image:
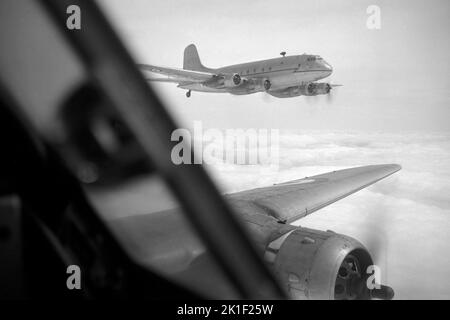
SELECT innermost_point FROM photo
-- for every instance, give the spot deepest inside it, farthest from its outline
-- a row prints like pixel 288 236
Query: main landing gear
pixel 188 94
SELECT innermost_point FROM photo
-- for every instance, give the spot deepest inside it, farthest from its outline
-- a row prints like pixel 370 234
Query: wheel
pixel 188 94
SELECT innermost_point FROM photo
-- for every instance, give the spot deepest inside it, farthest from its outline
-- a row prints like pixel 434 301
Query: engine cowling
pixel 261 84
pixel 233 80
pixel 310 89
pixel 314 89
pixel 266 84
pixel 225 81
pixel 313 264
pixel 252 85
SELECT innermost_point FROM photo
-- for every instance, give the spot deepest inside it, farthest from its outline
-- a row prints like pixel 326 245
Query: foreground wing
pixel 177 75
pixel 295 199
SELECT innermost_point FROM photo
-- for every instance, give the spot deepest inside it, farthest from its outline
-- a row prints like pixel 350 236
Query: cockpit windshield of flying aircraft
pixel 144 158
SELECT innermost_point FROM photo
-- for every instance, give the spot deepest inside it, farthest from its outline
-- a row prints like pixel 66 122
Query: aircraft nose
pixel 328 68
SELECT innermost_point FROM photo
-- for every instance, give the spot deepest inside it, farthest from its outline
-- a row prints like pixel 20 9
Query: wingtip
pixel 396 167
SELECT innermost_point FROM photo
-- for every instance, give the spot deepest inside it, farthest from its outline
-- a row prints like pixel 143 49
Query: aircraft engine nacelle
pixel 255 85
pixel 310 89
pixel 225 81
pixel 313 264
pixel 265 84
pixel 231 81
pixel 314 89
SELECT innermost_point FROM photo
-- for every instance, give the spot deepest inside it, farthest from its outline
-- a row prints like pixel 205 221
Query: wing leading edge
pixel 292 200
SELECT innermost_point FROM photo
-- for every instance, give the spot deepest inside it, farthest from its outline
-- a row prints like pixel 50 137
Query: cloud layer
pixel 408 214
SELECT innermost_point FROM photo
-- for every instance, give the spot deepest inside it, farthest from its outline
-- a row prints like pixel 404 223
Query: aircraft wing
pixel 179 252
pixel 295 199
pixel 177 75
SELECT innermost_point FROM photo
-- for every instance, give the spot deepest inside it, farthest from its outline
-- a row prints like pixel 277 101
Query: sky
pixel 394 79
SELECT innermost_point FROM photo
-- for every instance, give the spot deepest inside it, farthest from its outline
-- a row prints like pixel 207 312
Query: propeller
pixel 354 276
pixel 312 100
pixel 376 243
pixel 332 93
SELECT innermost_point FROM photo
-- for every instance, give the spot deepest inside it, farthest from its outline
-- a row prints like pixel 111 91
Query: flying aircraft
pixel 100 131
pixel 285 77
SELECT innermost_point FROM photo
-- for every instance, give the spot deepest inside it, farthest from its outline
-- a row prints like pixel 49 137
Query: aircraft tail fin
pixel 192 60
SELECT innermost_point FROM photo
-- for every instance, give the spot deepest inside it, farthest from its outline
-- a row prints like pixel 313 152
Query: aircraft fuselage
pixel 283 72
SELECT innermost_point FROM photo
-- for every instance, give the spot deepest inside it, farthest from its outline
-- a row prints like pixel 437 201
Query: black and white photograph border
pixel 278 103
